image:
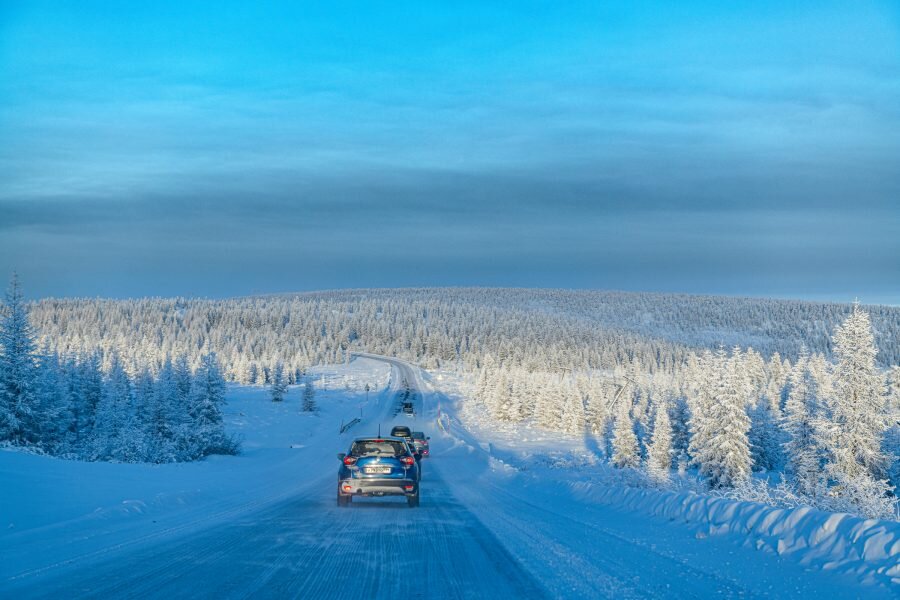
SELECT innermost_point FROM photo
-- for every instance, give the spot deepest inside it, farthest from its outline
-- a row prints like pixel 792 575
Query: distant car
pixel 421 442
pixel 401 431
pixel 378 467
pixel 408 408
pixel 416 454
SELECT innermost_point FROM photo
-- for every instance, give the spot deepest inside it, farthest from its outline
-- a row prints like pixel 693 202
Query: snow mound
pixel 868 549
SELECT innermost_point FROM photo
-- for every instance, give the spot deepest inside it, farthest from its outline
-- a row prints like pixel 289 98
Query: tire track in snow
pixel 308 548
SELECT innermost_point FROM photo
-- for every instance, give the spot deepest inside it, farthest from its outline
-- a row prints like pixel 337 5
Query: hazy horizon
pixel 262 293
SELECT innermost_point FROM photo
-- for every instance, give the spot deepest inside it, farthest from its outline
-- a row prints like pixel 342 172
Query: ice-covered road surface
pixel 479 533
pixel 306 547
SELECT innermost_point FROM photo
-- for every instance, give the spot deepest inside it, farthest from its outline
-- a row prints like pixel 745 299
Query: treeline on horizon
pixel 440 326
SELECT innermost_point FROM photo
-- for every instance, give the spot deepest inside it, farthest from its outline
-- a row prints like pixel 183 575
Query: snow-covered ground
pixel 55 512
pixel 534 460
pixel 502 515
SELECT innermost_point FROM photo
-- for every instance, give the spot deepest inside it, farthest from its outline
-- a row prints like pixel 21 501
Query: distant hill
pixel 529 327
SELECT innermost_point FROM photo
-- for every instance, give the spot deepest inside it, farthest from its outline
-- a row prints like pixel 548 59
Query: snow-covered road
pixel 480 532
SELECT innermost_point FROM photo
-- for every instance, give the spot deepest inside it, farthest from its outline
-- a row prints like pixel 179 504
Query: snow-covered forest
pixel 532 328
pixel 806 398
pixel 828 429
pixel 71 406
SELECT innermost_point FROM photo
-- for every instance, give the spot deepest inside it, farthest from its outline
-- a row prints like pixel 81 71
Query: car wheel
pixel 413 501
pixel 343 500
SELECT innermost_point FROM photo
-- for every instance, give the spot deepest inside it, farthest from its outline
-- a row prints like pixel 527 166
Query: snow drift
pixel 868 549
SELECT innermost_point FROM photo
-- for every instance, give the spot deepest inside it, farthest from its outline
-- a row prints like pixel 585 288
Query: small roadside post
pixel 367 400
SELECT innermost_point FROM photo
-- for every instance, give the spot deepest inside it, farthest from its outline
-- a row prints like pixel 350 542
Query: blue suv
pixel 378 466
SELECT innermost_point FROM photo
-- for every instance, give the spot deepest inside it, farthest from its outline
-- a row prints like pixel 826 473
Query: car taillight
pixel 349 460
pixel 408 461
pixel 348 487
pixel 425 451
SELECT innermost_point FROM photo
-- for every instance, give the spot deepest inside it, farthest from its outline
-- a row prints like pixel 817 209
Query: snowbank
pixel 869 549
pixel 866 549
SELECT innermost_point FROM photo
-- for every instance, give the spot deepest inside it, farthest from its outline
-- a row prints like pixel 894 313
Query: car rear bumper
pixel 378 487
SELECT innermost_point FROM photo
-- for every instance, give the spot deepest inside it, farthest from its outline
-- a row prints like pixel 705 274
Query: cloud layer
pixel 648 147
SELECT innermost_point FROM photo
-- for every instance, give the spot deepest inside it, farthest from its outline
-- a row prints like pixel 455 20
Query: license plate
pixel 377 470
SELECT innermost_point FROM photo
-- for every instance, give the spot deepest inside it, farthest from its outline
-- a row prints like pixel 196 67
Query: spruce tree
pixel 681 431
pixel 207 400
pixel 572 421
pixel 113 422
pixel 765 435
pixel 162 426
pixel 309 397
pixel 18 371
pixel 279 385
pixel 52 409
pixel 91 393
pixel 801 412
pixel 659 452
pixel 706 375
pixel 625 444
pixel 857 422
pixel 498 400
pixel 891 443
pixel 853 431
pixel 720 446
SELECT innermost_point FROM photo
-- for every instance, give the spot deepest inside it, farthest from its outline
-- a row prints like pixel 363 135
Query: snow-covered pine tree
pixel 482 383
pixel 52 410
pixel 498 400
pixel 707 373
pixel 163 418
pixel 279 385
pixel 572 418
pixel 778 375
pixel 659 452
pixel 90 394
pixel 765 435
pixel 144 396
pixel 182 378
pixel 262 375
pixel 73 404
pixel 309 396
pixel 681 431
pixel 207 400
pixel 891 443
pixel 176 398
pixel 18 371
pixel 518 391
pixel 641 413
pixel 596 411
pixel 722 450
pixel 548 404
pixel 109 436
pixel 853 433
pixel 625 444
pixel 801 412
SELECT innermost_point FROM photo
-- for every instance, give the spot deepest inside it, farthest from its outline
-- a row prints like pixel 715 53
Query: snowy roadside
pixel 533 460
pixel 55 511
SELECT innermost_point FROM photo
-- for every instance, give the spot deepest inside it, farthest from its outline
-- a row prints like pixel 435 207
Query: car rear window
pixel 419 435
pixel 378 448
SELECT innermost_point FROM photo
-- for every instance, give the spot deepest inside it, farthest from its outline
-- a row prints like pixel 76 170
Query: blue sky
pixel 181 149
